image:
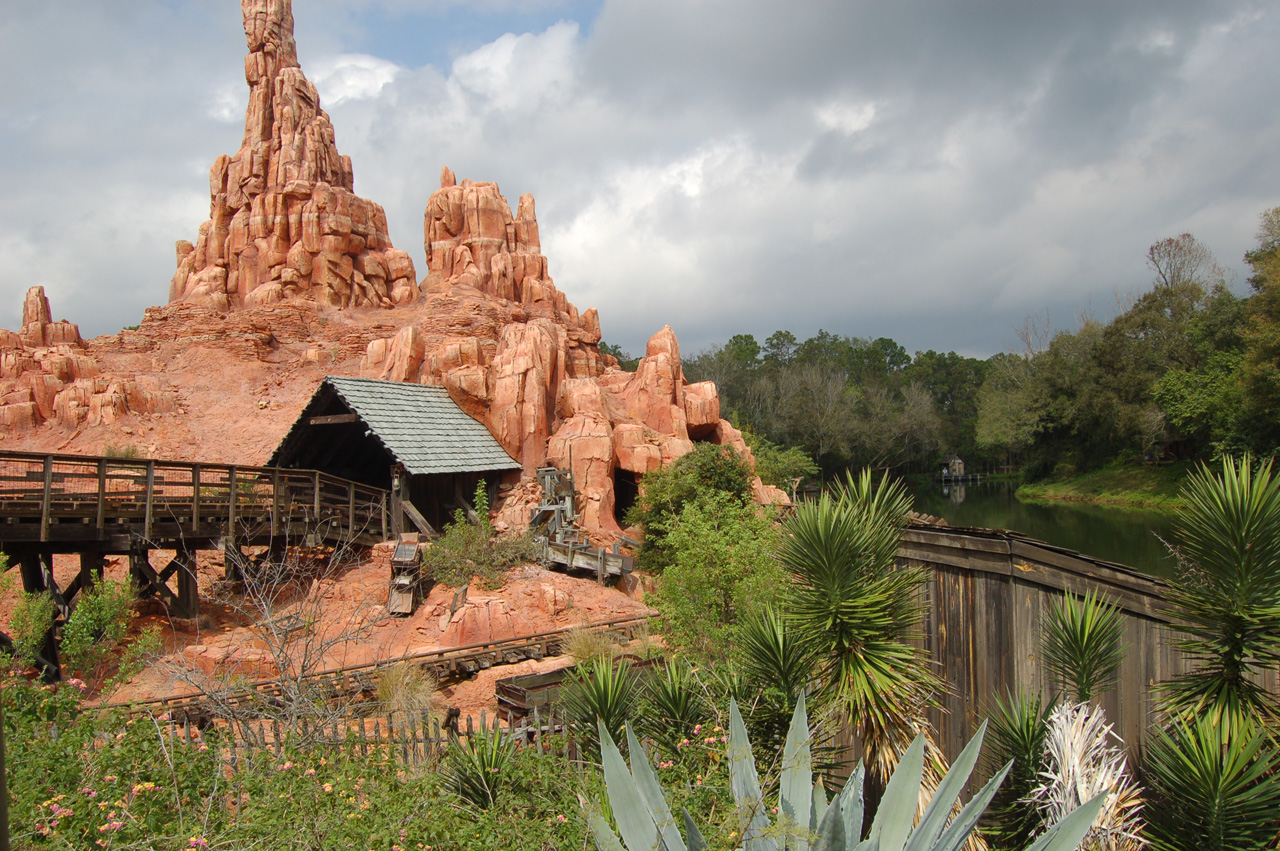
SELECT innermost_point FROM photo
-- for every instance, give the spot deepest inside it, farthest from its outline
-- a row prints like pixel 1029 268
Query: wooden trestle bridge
pixel 100 506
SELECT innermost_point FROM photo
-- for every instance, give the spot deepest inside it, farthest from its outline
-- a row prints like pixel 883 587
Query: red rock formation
pixel 284 220
pixel 516 354
pixel 47 375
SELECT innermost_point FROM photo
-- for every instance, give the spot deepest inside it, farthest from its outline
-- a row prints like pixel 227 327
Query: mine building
pixel 410 439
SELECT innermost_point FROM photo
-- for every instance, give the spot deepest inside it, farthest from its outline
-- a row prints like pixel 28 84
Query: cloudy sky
pixel 932 172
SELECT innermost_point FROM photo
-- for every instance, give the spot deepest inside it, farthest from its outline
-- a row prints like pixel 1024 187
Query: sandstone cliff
pixel 286 284
pixel 284 221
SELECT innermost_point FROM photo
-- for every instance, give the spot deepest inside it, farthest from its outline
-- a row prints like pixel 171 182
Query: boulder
pixel 477 621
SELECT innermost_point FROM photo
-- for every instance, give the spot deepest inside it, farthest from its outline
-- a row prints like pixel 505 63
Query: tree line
pixel 1188 369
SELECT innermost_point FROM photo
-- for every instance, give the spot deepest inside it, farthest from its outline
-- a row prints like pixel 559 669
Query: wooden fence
pixel 986 597
pixel 404 739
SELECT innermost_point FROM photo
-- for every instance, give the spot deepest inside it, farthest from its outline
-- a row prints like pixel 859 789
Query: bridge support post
pixel 32 572
pixel 188 589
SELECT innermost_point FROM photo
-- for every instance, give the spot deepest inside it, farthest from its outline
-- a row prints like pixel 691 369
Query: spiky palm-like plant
pixel 674 704
pixel 1081 763
pixel 807 818
pixel 1217 785
pixel 1082 644
pixel 1019 724
pixel 479 767
pixel 777 667
pixel 1228 598
pixel 854 612
pixel 605 689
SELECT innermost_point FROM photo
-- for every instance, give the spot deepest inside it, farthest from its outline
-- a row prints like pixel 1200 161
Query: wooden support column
pixel 195 496
pixel 232 559
pixel 188 589
pixel 399 484
pixel 101 518
pixel 151 491
pixel 32 574
pixel 46 498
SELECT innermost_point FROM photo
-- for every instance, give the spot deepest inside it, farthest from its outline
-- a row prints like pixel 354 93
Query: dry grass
pixel 405 691
pixel 584 644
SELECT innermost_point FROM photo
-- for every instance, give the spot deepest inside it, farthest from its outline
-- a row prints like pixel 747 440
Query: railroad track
pixel 357 680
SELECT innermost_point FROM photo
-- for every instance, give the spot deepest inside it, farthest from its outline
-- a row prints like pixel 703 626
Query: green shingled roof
pixel 422 427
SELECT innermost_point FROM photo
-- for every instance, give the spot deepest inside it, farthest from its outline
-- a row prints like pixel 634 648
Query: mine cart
pixel 406 577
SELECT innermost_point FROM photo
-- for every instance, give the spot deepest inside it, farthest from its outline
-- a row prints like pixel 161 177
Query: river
pixel 1121 535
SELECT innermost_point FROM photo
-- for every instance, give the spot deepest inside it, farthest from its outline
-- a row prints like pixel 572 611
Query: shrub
pixel 95 629
pixel 604 690
pixel 707 470
pixel 467 550
pixel 479 767
pixel 721 570
pixel 30 623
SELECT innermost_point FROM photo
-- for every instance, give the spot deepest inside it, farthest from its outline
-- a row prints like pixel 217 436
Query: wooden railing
pixel 64 497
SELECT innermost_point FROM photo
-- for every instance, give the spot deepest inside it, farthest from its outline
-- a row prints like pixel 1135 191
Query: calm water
pixel 1124 536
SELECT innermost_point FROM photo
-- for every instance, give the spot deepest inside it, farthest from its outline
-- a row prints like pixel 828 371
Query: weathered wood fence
pixel 987 595
pixel 402 738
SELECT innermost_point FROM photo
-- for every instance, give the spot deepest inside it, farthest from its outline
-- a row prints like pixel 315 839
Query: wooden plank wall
pixel 986 596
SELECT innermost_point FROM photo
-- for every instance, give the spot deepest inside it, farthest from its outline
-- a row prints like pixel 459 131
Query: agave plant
pixel 1081 643
pixel 1082 762
pixel 807 818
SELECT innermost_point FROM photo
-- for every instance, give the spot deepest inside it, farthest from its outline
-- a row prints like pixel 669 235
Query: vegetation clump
pixel 468 550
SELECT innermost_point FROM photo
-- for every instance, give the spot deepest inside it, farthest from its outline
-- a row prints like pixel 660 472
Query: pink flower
pixel 197 842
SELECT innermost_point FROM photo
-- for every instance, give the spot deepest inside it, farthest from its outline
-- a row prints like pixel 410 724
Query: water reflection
pixel 1125 536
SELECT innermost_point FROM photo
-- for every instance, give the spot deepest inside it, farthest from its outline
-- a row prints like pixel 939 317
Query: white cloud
pixel 350 76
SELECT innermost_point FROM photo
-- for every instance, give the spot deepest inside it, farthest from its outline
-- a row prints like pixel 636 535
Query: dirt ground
pixel 350 625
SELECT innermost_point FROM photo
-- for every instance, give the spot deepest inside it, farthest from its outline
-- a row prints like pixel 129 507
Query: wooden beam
pixel 415 516
pixel 334 419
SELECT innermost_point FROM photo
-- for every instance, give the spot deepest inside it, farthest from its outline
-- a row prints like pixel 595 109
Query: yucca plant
pixel 1227 598
pixel 478 767
pixel 1217 787
pixel 807 818
pixel 777 666
pixel 854 611
pixel 604 688
pixel 1081 644
pixel 1083 761
pixel 1019 724
pixel 674 704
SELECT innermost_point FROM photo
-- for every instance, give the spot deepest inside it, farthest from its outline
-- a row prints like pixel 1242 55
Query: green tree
pixel 707 470
pixel 1261 369
pixel 722 571
pixel 855 612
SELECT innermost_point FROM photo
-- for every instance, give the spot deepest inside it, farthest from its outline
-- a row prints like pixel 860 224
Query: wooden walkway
pixel 99 506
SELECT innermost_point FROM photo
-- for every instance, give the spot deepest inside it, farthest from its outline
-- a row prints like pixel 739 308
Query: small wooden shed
pixel 410 439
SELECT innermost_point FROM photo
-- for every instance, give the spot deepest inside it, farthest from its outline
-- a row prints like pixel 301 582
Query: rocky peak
pixel 284 220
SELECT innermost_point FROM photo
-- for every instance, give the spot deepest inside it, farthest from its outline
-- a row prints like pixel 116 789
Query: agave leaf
pixel 898 806
pixel 795 793
pixel 1067 834
pixel 830 828
pixel 746 784
pixel 945 796
pixel 651 790
pixel 635 821
pixel 850 800
pixel 696 842
pixel 820 805
pixel 963 825
pixel 606 839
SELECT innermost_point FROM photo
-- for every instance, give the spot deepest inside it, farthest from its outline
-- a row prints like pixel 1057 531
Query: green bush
pixel 30 623
pixel 467 550
pixel 95 629
pixel 707 470
pixel 721 570
pixel 776 465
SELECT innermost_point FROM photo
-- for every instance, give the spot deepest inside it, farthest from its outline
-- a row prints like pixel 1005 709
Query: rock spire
pixel 284 219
